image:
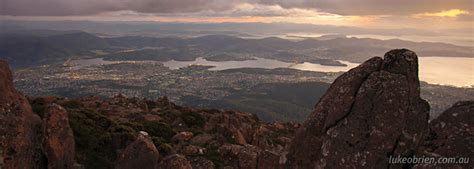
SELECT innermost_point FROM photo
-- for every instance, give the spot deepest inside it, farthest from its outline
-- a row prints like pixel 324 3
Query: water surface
pixel 454 71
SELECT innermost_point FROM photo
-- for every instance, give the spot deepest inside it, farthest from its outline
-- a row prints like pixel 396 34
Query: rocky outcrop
pixel 141 154
pixel 106 129
pixel 451 135
pixel 26 141
pixel 58 138
pixel 368 114
pixel 20 142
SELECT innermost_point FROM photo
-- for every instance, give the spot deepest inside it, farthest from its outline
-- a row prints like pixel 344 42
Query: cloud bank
pixel 228 7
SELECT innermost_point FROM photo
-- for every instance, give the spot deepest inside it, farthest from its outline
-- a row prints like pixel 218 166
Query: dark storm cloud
pixel 343 7
pixel 91 7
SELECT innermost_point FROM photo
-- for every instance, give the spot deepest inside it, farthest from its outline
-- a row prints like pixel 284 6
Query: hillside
pixel 33 48
pixel 30 48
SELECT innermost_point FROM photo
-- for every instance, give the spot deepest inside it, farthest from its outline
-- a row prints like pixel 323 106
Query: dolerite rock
pixel 175 161
pixel 201 163
pixel 249 157
pixel 141 154
pixel 368 114
pixel 239 156
pixel 20 142
pixel 182 136
pixel 270 160
pixel 451 135
pixel 58 138
pixel 241 125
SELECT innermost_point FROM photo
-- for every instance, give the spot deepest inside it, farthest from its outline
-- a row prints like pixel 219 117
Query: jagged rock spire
pixel 368 114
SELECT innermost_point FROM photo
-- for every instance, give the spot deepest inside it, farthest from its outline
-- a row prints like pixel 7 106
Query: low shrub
pixel 158 129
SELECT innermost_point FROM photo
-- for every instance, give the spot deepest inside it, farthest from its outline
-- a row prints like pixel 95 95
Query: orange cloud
pixel 444 13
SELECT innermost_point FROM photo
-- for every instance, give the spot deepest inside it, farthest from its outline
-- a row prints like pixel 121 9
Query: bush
pixel 121 129
pixel 71 104
pixel 193 119
pixel 158 129
pixel 165 149
pixel 38 106
pixel 93 140
pixel 212 154
pixel 134 125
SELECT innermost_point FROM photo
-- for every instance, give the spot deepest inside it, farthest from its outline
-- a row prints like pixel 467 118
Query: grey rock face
pixel 450 135
pixel 368 114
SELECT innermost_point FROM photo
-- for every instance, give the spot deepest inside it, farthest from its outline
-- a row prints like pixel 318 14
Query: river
pixel 454 71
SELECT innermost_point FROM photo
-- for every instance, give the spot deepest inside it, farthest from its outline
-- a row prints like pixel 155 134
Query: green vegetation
pixel 71 104
pixel 98 137
pixel 94 146
pixel 229 57
pixel 274 136
pixel 165 149
pixel 193 119
pixel 158 129
pixel 212 154
pixel 38 106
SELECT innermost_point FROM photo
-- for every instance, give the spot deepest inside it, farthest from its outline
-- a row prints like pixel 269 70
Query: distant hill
pixel 23 50
pixel 35 48
pixel 310 50
pixel 77 42
pixel 26 48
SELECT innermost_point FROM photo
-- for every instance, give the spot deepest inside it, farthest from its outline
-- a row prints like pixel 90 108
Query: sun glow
pixel 444 13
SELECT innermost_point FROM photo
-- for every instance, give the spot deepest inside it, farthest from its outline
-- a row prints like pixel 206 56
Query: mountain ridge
pixel 60 46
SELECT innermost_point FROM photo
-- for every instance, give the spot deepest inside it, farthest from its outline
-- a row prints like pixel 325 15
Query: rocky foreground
pixel 368 114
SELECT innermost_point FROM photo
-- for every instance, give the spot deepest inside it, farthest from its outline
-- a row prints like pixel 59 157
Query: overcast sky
pixel 422 14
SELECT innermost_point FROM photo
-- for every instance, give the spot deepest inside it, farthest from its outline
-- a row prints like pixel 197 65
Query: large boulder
pixel 58 138
pixel 20 128
pixel 141 154
pixel 451 135
pixel 369 113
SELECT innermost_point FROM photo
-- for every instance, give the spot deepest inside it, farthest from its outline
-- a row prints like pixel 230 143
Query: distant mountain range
pixel 34 48
pixel 30 48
